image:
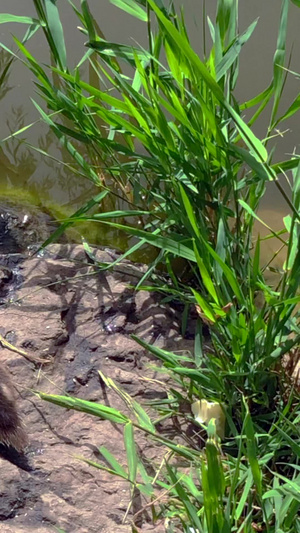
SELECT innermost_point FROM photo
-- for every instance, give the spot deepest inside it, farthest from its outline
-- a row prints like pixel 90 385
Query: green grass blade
pixel 279 58
pixel 6 17
pixel 56 31
pixel 189 211
pixel 243 499
pixel 205 307
pixel 256 260
pixel 88 20
pixel 234 51
pixel 228 273
pixel 291 442
pixel 132 8
pixel 294 107
pixel 143 418
pixel 113 214
pixel 165 356
pixel 19 132
pixel 170 244
pixel 198 346
pixel 35 67
pixel 257 99
pixel 105 48
pixel 206 278
pixel 91 408
pixel 112 461
pixel 90 173
pixel 190 509
pixel 99 466
pixel 252 450
pixel 197 66
pixel 130 451
pixel 254 215
pixel 84 209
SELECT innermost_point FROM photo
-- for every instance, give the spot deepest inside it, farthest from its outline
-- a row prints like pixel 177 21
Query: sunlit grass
pixel 167 144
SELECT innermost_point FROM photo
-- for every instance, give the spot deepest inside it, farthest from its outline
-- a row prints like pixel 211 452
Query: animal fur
pixel 11 429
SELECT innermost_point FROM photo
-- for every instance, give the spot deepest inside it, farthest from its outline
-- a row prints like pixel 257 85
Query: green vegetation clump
pixel 164 139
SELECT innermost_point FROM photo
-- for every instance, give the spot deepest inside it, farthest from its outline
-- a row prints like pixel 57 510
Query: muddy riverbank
pixel 82 324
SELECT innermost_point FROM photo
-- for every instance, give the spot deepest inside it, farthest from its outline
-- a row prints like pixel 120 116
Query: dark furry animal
pixel 13 439
pixel 11 429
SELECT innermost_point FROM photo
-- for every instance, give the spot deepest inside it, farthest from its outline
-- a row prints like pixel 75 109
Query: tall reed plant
pixel 164 137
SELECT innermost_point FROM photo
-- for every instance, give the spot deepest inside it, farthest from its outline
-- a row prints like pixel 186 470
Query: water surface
pixel 46 182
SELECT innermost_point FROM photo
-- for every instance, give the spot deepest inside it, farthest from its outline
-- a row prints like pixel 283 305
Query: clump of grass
pixel 194 189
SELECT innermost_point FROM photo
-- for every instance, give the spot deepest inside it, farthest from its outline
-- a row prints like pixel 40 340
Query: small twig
pixel 27 356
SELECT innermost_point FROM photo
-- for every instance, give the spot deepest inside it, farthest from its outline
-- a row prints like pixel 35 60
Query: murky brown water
pixel 47 182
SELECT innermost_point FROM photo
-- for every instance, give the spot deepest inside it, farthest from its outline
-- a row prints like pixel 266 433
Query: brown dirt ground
pixel 82 324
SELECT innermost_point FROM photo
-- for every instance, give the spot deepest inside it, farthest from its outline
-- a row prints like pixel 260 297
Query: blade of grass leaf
pixel 141 415
pixel 101 467
pixel 91 174
pixel 84 209
pixel 254 215
pixel 130 451
pixel 228 273
pixel 163 355
pixel 112 461
pixel 6 17
pixel 131 7
pixel 189 507
pixel 250 139
pixel 92 408
pixel 279 58
pixel 252 450
pixel 234 51
pixel 56 32
pixel 170 244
